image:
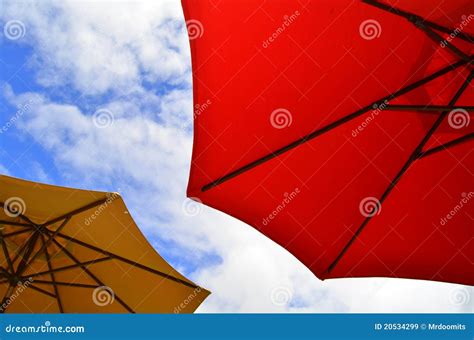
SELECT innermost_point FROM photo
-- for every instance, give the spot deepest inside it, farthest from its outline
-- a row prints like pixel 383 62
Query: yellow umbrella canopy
pixel 79 251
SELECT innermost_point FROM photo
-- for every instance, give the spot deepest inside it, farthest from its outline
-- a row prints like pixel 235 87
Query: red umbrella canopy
pixel 340 129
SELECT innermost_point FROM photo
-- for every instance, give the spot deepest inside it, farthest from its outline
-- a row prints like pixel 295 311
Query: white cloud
pixel 100 46
pixel 148 161
pixel 145 154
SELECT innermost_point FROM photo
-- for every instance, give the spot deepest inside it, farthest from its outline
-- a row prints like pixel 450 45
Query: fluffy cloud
pixel 142 148
pixel 101 46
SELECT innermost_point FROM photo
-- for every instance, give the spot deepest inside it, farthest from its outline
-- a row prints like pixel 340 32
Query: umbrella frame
pixel 41 233
pixel 467 61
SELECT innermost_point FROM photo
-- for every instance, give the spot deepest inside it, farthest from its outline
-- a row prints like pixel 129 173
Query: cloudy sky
pixel 98 95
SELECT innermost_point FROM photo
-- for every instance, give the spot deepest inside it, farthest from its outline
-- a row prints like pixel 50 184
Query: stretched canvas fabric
pixel 293 136
pixel 122 272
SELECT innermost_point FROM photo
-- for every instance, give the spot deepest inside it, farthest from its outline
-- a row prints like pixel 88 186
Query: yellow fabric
pixel 107 226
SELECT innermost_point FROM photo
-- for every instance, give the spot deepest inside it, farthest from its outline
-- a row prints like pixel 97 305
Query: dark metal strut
pixel 41 232
pixel 414 156
pixel 334 125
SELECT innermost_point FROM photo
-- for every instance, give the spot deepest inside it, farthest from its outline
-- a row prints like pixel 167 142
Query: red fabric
pixel 318 69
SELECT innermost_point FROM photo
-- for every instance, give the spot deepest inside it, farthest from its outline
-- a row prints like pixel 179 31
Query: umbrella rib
pixel 407 15
pixel 21 250
pixel 29 249
pixel 18 232
pixel 75 212
pixel 333 125
pixel 447 145
pixel 7 295
pixel 72 266
pixel 6 252
pixel 46 244
pixel 16 224
pixel 41 290
pixel 420 23
pixel 130 262
pixel 53 278
pixel 435 108
pixel 29 223
pixel 88 272
pixel 69 284
pixel 413 157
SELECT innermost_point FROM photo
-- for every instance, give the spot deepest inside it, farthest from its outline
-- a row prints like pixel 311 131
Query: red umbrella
pixel 340 129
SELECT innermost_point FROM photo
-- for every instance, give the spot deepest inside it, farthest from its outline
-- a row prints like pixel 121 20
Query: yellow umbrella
pixel 79 251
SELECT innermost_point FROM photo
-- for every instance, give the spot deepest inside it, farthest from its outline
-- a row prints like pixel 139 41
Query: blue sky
pixel 98 95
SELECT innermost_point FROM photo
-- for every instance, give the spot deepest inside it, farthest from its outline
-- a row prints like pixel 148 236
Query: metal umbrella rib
pixel 43 236
pixel 414 156
pixel 334 125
